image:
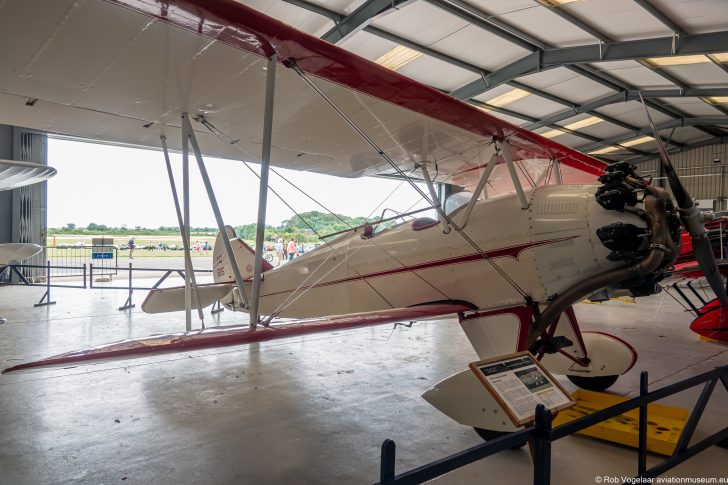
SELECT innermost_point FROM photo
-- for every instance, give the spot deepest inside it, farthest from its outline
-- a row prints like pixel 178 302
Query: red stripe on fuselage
pixel 508 252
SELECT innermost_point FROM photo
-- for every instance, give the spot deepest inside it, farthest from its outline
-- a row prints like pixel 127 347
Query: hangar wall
pixel 23 211
pixel 6 196
pixel 703 170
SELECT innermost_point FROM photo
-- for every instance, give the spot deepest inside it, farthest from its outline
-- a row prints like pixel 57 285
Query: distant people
pixel 292 249
pixel 205 247
pixel 280 252
pixel 131 248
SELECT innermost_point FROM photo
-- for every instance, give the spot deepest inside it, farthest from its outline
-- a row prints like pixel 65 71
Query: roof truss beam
pixel 666 21
pixel 629 95
pixel 359 18
pixel 576 21
pixel 718 140
pixel 697 121
pixel 493 27
pixel 538 61
pixel 476 17
pixel 669 23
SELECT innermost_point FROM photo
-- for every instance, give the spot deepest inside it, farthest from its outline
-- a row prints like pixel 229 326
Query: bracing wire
pixel 381 153
pixel 525 173
pixel 220 135
pixel 226 138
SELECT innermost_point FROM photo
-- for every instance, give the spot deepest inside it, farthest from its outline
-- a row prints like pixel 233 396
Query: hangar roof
pixel 571 70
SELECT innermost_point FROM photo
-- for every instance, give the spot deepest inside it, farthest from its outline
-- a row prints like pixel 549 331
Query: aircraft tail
pixel 172 299
pixel 244 255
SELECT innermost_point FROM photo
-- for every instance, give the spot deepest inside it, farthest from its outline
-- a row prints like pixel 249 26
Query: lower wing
pixel 220 337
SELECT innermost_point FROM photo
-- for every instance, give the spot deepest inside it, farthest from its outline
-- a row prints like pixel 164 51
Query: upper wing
pixel 219 337
pixel 124 70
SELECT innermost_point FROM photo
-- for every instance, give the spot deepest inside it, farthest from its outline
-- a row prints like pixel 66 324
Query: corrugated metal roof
pixel 463 41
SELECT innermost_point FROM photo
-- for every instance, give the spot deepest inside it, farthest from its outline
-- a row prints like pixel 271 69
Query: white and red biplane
pixel 509 266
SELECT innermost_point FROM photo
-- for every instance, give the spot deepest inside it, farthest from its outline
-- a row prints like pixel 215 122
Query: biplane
pixel 536 226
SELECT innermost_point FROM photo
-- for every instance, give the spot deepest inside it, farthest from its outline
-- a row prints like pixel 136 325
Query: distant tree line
pixel 323 223
pixel 123 230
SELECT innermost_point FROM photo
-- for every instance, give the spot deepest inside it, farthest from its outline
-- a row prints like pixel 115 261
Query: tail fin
pixel 244 256
pixel 172 299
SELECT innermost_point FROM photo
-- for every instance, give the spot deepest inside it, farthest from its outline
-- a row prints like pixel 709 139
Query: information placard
pixel 518 382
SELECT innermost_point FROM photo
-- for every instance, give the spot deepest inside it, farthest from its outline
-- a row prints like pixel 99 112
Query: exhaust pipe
pixel 661 250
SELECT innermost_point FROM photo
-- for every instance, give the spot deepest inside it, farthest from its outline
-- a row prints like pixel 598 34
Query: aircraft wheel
pixel 599 383
pixel 488 435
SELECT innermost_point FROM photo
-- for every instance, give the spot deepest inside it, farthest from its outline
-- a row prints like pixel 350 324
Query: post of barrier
pixel 47 295
pixel 216 307
pixel 90 275
pixel 84 276
pixel 386 469
pixel 642 443
pixel 128 303
pixel 542 446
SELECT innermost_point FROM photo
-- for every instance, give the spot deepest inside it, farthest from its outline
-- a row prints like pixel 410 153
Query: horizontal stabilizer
pixel 164 300
pixel 220 337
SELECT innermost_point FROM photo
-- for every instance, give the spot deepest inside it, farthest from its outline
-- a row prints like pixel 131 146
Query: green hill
pixel 323 223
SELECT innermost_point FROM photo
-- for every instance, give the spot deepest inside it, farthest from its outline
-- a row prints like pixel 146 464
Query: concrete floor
pixel 302 410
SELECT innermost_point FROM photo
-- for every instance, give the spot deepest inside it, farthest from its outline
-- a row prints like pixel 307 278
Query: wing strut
pixel 481 186
pixel 186 227
pixel 433 195
pixel 185 237
pixel 404 176
pixel 190 135
pixel 557 171
pixel 508 157
pixel 270 88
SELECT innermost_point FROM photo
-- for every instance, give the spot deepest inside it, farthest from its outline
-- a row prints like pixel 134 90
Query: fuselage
pixel 543 250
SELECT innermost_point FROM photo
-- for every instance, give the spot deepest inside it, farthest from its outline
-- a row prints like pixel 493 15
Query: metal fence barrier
pixel 68 259
pixel 541 435
pixel 14 275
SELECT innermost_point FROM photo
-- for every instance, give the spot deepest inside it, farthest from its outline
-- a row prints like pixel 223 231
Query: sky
pixel 118 186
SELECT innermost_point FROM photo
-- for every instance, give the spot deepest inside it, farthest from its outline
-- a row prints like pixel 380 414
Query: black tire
pixel 599 383
pixel 268 257
pixel 488 435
